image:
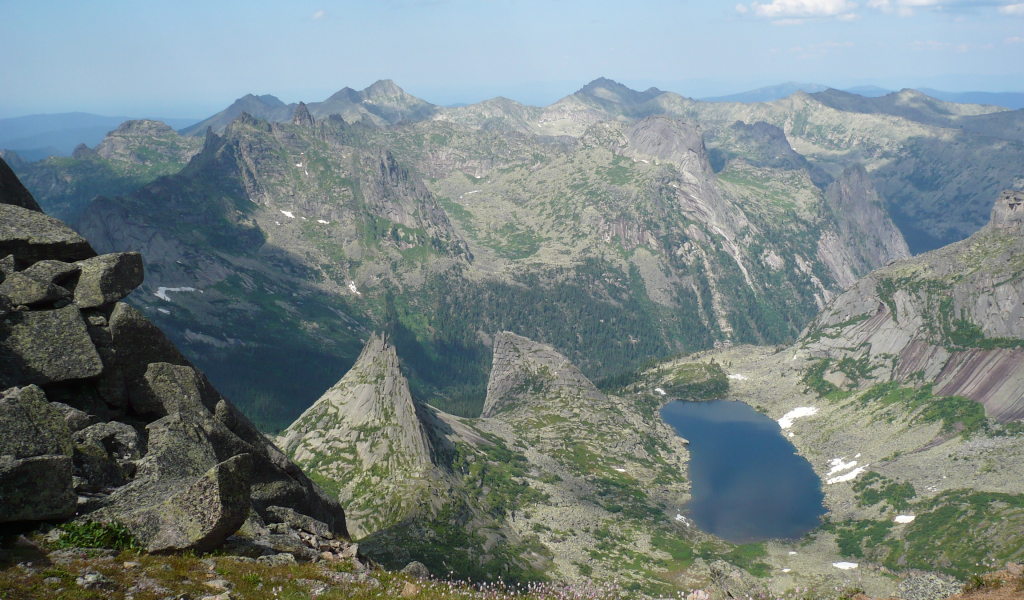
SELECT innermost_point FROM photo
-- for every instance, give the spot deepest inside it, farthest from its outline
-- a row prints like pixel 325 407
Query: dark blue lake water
pixel 748 483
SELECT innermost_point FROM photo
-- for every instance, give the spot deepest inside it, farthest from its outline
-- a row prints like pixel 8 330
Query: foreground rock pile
pixel 102 418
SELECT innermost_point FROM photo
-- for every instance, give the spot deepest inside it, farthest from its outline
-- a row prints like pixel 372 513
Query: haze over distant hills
pixel 1011 100
pixel 35 137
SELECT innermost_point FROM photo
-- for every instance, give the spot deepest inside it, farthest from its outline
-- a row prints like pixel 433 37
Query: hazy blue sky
pixel 192 58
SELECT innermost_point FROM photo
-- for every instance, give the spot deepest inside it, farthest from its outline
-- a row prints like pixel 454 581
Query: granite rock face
pixel 104 418
pixel 392 437
pixel 953 317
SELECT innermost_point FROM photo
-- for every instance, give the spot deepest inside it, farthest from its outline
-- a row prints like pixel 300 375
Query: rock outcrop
pixel 952 317
pixel 371 439
pixel 523 369
pixel 103 418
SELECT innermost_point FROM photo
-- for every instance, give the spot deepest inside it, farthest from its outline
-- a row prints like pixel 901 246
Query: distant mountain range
pixel 35 137
pixel 1011 100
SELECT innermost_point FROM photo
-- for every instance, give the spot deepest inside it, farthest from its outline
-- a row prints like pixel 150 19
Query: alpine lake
pixel 748 482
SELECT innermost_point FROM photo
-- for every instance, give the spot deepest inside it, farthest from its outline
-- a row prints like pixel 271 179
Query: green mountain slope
pixel 134 154
pixel 620 246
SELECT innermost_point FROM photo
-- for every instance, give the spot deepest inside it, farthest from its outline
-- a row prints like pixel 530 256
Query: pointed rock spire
pixel 302 116
pixel 368 436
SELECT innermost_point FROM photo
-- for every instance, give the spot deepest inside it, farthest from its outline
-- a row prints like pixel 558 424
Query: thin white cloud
pixel 320 14
pixel 741 8
pixel 1014 40
pixel 797 9
pixel 1012 10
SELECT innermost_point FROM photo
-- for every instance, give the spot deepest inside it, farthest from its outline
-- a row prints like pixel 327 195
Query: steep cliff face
pixel 953 317
pixel 866 238
pixel 524 370
pixel 103 419
pixel 370 442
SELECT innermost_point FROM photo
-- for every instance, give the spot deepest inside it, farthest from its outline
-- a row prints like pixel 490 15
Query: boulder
pixel 36 488
pixel 75 419
pixel 12 192
pixel 32 236
pixel 30 426
pixel 283 514
pixel 178 449
pixel 8 265
pixel 200 517
pixel 52 271
pixel 141 343
pixel 46 346
pixel 417 569
pixel 167 388
pixel 100 451
pixel 22 290
pixel 108 278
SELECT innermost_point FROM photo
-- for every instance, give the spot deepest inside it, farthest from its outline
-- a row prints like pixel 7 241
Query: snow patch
pixel 620 470
pixel 846 566
pixel 848 476
pixel 161 292
pixel 659 390
pixel 352 286
pixel 164 310
pixel 738 377
pixel 799 412
pixel 786 570
pixel 288 214
pixel 791 553
pixel 682 519
pixel 904 518
pixel 299 165
pixel 323 222
pixel 838 466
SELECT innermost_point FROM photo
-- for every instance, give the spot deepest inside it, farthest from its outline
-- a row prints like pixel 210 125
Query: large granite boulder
pixel 32 236
pixel 46 346
pixel 35 458
pixel 199 517
pixel 108 278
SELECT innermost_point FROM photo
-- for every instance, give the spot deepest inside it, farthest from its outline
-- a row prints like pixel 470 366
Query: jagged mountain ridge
pixel 322 209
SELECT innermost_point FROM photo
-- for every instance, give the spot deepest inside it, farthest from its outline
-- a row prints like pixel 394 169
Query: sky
pixel 192 58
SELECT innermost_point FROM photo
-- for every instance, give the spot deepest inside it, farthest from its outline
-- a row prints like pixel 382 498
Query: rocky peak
pixel 385 88
pixel 1008 211
pixel 613 91
pixel 523 370
pixel 82 151
pixel 370 416
pixel 12 158
pixel 302 116
pixel 142 127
